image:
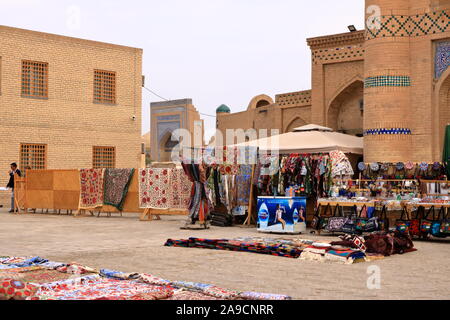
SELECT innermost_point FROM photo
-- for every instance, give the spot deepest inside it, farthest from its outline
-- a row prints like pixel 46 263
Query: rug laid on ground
pixel 116 183
pixel 91 188
pixel 23 278
pixel 348 250
pixel 270 247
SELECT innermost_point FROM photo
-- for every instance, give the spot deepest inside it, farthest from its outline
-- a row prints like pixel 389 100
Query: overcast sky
pixel 213 51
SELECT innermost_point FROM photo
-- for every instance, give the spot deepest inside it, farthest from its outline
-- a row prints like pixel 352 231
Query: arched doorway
pixel 295 123
pixel 346 111
pixel 166 147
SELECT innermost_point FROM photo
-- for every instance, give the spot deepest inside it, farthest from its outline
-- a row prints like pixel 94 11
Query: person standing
pixel 14 170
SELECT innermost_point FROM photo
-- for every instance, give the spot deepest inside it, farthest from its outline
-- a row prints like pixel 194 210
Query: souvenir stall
pixel 296 167
pixel 388 197
pixel 227 184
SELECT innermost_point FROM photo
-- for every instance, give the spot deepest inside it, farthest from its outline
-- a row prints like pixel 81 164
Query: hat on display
pixel 424 166
pixel 436 166
pixel 374 166
pixel 385 167
pixel 361 166
pixel 409 165
pixel 400 166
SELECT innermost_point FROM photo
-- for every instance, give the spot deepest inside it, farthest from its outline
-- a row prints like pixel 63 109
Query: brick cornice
pixel 336 40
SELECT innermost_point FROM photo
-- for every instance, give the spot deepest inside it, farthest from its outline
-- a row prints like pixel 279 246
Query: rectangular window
pixel 104 87
pixel 34 79
pixel 34 156
pixel 103 157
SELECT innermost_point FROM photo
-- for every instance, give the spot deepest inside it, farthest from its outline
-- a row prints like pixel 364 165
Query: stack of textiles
pixel 262 246
pixel 324 252
pixel 40 279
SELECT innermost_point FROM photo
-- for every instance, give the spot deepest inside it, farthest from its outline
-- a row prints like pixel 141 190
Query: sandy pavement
pixel 126 244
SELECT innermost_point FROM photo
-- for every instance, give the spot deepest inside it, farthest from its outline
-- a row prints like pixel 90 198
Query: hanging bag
pixel 426 224
pixel 324 218
pixel 383 220
pixel 336 222
pixel 349 227
pixel 436 226
pixel 402 225
pixel 414 227
pixel 365 224
pixel 316 221
pixel 445 225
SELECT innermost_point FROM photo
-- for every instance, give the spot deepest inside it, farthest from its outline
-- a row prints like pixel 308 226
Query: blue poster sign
pixel 282 214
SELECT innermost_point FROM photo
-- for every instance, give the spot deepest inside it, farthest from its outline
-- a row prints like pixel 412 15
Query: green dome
pixel 223 109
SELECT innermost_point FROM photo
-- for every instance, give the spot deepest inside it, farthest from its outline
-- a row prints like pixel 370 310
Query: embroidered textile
pixel 117 182
pixel 91 188
pixel 154 188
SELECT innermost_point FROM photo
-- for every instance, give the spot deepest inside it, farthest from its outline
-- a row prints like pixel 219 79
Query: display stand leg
pixel 250 219
pixel 147 215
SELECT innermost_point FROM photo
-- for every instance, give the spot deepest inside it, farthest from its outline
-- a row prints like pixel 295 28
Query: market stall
pixel 302 163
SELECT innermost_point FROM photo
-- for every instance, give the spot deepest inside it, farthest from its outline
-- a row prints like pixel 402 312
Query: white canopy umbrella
pixel 309 139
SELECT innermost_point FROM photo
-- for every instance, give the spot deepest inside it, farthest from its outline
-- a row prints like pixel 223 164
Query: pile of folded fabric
pixel 40 279
pixel 325 252
pixel 287 249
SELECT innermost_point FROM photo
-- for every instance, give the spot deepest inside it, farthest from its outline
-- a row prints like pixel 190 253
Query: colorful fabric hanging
pixel 116 186
pixel 154 188
pixel 91 188
pixel 181 188
pixel 199 206
pixel 243 185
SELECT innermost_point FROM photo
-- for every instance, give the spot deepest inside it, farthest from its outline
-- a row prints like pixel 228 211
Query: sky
pixel 213 51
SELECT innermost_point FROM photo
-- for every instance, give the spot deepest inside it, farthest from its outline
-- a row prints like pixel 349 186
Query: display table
pixel 282 214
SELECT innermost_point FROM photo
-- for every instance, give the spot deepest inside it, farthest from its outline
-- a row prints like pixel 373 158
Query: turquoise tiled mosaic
pixel 442 58
pixel 410 26
pixel 387 131
pixel 387 81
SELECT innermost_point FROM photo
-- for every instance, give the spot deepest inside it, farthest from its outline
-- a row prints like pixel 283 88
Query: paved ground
pixel 125 244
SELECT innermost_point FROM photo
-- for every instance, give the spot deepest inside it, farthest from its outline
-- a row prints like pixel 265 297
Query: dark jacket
pixel 11 179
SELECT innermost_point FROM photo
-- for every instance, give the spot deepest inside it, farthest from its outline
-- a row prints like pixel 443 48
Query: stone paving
pixel 126 244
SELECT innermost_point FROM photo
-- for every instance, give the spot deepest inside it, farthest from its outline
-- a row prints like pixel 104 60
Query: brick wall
pixel 68 121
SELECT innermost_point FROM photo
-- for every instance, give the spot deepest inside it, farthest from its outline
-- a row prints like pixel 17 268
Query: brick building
pixel 68 103
pixel 167 117
pixel 390 83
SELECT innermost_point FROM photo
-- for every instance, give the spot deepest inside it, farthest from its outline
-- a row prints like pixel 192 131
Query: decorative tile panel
pixel 410 26
pixel 387 131
pixel 387 81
